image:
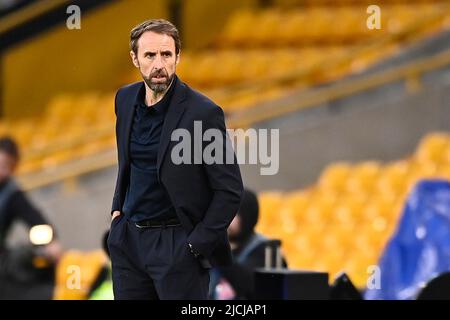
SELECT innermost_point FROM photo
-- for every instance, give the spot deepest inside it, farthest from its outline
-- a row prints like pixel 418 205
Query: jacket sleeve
pixel 116 201
pixel 23 209
pixel 226 183
pixel 21 206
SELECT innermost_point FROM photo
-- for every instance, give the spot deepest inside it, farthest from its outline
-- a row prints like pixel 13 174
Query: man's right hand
pixel 114 215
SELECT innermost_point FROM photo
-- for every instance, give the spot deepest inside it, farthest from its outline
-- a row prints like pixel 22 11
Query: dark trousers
pixel 154 263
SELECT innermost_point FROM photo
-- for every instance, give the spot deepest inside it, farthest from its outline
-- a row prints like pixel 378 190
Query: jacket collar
pixel 176 109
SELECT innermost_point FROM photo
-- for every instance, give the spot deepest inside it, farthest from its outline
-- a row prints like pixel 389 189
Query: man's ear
pixel 134 59
pixel 177 61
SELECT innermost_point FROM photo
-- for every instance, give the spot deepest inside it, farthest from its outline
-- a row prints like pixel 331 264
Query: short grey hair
pixel 160 26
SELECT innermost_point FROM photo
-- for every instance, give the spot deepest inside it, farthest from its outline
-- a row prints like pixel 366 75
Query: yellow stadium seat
pixel 344 235
pixel 349 208
pixel 444 172
pixel 298 201
pixel 267 22
pixel 334 177
pixel 235 30
pixel 302 254
pixel 318 212
pixel 393 178
pixel 363 177
pixel 433 148
pixel 293 22
pixel 269 203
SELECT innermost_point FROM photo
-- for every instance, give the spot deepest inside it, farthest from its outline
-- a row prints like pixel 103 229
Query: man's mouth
pixel 159 77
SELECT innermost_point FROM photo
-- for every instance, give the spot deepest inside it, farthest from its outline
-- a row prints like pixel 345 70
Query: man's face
pixel 156 60
pixel 7 166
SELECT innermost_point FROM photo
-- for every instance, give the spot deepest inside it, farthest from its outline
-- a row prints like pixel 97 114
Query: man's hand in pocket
pixel 114 215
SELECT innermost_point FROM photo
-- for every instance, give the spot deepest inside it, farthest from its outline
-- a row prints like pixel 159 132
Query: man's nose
pixel 158 62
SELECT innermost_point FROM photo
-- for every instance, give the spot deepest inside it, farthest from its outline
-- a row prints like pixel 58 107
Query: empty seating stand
pixel 343 222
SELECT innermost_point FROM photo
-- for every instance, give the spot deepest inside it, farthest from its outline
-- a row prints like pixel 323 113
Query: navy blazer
pixel 206 197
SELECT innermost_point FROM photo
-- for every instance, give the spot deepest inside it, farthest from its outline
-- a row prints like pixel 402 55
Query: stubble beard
pixel 158 88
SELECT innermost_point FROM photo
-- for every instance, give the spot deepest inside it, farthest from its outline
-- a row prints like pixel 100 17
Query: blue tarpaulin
pixel 420 247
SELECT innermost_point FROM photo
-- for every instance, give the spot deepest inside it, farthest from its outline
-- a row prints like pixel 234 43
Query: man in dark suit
pixel 169 220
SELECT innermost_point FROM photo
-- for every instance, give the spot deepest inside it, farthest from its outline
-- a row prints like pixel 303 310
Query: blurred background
pixel 363 114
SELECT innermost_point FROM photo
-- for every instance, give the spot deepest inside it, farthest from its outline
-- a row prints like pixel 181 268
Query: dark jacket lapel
pixel 173 116
pixel 130 104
